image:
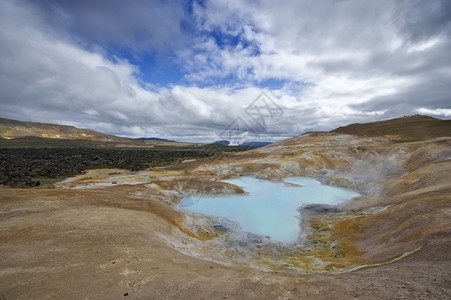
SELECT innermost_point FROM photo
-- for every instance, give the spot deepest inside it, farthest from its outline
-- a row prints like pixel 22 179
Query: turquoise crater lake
pixel 269 208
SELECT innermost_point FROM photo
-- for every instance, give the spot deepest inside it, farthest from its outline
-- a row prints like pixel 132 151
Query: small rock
pixel 321 208
pixel 220 227
pixel 242 243
pixel 333 246
pixel 336 254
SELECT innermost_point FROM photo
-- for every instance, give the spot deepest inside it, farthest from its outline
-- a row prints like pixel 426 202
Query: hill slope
pixel 411 127
pixel 20 134
pixel 12 129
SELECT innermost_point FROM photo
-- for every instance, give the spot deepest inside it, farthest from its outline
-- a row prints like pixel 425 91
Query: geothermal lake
pixel 269 208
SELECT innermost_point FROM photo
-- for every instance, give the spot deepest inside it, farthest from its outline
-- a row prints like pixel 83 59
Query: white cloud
pixel 349 52
pixel 339 62
pixel 436 112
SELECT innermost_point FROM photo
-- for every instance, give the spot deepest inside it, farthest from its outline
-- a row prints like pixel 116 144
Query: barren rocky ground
pixel 119 234
pixel 26 167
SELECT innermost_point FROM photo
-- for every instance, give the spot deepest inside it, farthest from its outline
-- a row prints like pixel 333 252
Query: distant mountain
pixel 223 142
pixel 34 132
pixel 255 144
pixel 154 139
pixel 12 129
pixel 15 133
pixel 245 144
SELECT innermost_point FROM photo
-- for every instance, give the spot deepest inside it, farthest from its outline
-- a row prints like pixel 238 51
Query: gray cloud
pixel 420 20
pixel 338 62
pixel 139 25
pixel 376 55
pixel 428 91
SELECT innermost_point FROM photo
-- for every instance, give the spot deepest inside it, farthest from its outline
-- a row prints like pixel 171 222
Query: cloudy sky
pixel 195 70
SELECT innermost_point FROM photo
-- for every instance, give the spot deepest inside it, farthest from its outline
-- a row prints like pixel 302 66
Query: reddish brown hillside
pixel 12 129
pixel 414 127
